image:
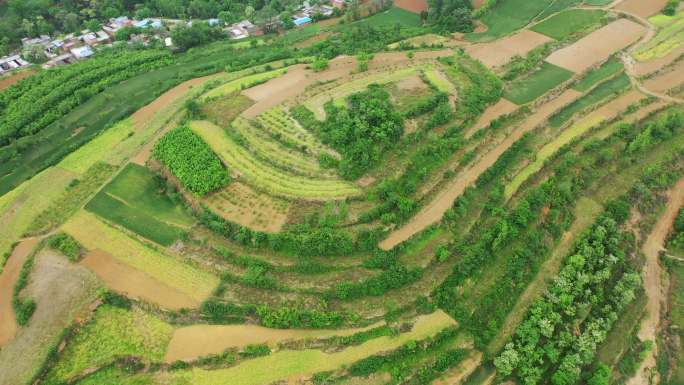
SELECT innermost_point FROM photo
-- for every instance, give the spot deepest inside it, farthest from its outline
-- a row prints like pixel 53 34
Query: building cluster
pixel 74 47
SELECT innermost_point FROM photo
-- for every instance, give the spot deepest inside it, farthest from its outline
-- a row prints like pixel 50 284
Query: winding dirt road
pixel 651 276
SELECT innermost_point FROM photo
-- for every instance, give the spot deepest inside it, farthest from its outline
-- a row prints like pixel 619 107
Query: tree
pixel 450 15
pixel 286 20
pixel 601 375
pixel 320 64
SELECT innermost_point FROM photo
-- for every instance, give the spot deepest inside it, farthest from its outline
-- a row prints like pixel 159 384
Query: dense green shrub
pixel 191 160
pixel 67 245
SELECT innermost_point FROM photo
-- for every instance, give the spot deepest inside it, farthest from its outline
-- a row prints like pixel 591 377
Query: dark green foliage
pixel 601 376
pixel 663 128
pixel 671 7
pixel 24 307
pixel 290 317
pixel 395 277
pixel 508 157
pixel 320 64
pixel 191 160
pixel 32 104
pixel 363 131
pixel 428 105
pixel 67 245
pixel 450 15
pixel 198 33
pixel 444 361
pixel 251 351
pixel 117 300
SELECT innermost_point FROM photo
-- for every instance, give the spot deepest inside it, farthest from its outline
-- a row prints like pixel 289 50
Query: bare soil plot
pixel 501 108
pixel 192 342
pixel 500 52
pixel 134 283
pixel 652 280
pixel 433 211
pixel 642 8
pixel 245 206
pixel 415 6
pixel 648 67
pixel 62 291
pixel 14 78
pixel 8 277
pixel 673 78
pixel 597 46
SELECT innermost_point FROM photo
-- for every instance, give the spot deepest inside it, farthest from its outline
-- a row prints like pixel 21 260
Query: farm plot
pixel 338 94
pixel 673 78
pixel 113 332
pixel 670 36
pixel 501 108
pixel 243 205
pixel 509 16
pixel 601 92
pixel 223 110
pixel 132 200
pixel 275 153
pixel 245 82
pixel 278 124
pixel 286 364
pixel 502 51
pixel 594 119
pixel 267 178
pixel 122 278
pixel 191 342
pixel 544 79
pixel 440 80
pixel 420 41
pixel 642 8
pixel 597 46
pixel 93 234
pixel 434 210
pixel 608 69
pixel 567 23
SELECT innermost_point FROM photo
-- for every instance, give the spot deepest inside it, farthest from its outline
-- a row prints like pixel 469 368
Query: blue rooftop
pixel 302 20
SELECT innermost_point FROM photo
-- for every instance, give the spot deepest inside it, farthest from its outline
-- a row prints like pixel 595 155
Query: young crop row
pixel 30 107
pixel 279 125
pixel 266 177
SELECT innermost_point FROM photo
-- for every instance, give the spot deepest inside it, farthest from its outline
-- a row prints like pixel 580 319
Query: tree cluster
pixel 447 16
pixel 191 160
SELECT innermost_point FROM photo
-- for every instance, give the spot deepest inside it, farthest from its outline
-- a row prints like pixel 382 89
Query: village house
pixel 10 63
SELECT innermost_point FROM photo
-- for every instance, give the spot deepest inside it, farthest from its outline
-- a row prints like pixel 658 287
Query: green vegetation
pixel 546 77
pixel 24 307
pixel 507 16
pixel 134 201
pixel 67 245
pixel 390 18
pixel 113 333
pixel 601 92
pixel 673 353
pixel 596 76
pixel 363 131
pixel 565 24
pixel 191 160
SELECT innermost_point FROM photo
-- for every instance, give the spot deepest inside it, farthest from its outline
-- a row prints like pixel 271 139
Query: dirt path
pixel 652 281
pixel 433 211
pixel 8 277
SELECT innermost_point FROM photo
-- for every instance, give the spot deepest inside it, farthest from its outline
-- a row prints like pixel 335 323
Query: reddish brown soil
pixel 134 283
pixel 501 108
pixel 500 52
pixel 415 6
pixel 673 78
pixel 8 277
pixel 9 80
pixel 642 8
pixel 597 46
pixel 651 66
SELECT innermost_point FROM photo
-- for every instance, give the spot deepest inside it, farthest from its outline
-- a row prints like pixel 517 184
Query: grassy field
pixel 245 82
pixel 386 19
pixel 558 6
pixel 439 80
pixel 223 110
pixel 280 126
pixel 608 69
pixel 602 91
pixel 508 16
pixel 537 84
pixel 669 36
pixel 97 149
pixel 265 177
pixel 94 234
pixel 285 364
pixel 547 151
pixel 133 201
pixel 567 23
pixel 113 332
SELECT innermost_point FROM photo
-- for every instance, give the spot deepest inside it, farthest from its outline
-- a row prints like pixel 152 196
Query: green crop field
pixel 608 69
pixel 132 200
pixel 542 80
pixel 599 93
pixel 568 23
pixel 313 204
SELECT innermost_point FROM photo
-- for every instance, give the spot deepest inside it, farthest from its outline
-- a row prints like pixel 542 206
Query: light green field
pixel 97 149
pixel 419 41
pixel 265 177
pixel 439 80
pixel 315 104
pixel 548 150
pixel 93 234
pixel 542 80
pixel 669 37
pixel 19 207
pixel 608 69
pixel 239 84
pixel 288 363
pixel 567 23
pixel 509 16
pixel 113 332
pixel 280 125
pixel 277 154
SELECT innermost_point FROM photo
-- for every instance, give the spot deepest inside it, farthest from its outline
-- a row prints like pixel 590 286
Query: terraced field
pixel 380 198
